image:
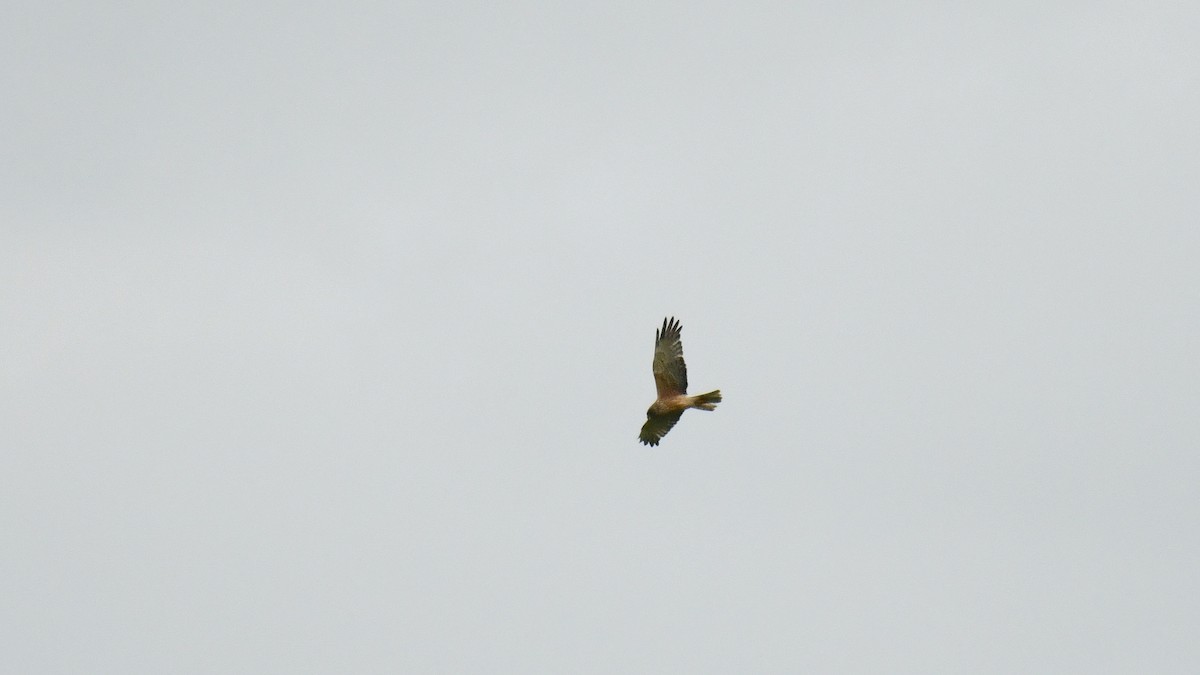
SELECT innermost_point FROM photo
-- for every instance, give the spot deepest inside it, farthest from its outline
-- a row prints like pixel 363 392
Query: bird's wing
pixel 657 426
pixel 670 372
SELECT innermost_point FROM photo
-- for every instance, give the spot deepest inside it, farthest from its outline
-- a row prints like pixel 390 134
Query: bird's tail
pixel 707 401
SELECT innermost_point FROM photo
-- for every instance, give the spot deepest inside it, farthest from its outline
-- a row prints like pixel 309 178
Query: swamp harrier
pixel 670 377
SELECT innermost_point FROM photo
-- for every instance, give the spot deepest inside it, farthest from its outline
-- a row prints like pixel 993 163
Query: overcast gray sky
pixel 327 328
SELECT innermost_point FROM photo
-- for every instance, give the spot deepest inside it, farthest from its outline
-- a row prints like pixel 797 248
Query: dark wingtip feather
pixel 670 326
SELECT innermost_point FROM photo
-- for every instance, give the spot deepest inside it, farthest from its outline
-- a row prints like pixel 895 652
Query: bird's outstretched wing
pixel 670 372
pixel 657 426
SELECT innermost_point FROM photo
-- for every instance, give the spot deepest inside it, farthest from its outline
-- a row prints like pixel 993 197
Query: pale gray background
pixel 327 335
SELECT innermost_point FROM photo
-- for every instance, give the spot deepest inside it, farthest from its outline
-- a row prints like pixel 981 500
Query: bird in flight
pixel 670 377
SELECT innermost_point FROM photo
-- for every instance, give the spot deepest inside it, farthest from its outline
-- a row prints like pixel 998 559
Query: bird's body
pixel 670 379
